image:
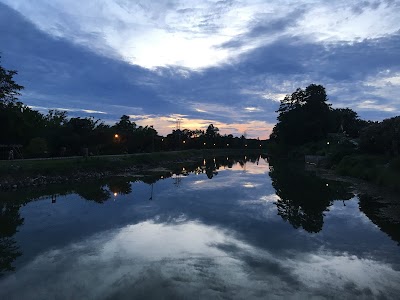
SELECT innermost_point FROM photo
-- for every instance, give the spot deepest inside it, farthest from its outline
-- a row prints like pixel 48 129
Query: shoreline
pixel 381 205
pixel 19 174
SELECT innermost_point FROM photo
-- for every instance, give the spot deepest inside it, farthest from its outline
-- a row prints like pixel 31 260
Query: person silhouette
pixel 11 155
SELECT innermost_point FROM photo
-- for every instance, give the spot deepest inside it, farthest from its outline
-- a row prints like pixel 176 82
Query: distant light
pixel 227 158
pixel 116 136
pixel 204 143
pixel 245 157
pixel 162 140
pixel 260 145
pixel 115 194
pixel 327 143
pixel 184 142
pixel 214 144
pixel 245 145
pixel 183 169
pixel 227 144
pixel 327 184
pixel 204 162
pixel 162 177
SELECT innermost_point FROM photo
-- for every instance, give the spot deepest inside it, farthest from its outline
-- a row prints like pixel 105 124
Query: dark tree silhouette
pixel 10 220
pixel 9 89
pixel 303 116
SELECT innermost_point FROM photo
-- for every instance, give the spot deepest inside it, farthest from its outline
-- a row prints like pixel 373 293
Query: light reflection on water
pixel 202 238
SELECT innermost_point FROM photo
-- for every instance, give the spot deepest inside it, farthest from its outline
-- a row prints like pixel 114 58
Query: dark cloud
pixel 54 67
pixel 361 6
pixel 266 27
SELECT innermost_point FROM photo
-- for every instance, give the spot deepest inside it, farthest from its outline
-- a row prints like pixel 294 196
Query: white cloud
pixel 88 111
pixel 189 33
pixel 373 105
pixel 252 109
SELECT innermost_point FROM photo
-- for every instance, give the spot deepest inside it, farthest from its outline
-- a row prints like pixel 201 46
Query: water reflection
pixel 10 220
pixel 177 234
pixel 304 197
pixel 98 192
pixel 130 263
pixel 382 213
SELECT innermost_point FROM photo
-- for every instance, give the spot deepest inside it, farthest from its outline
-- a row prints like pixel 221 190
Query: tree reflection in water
pixel 304 197
pixel 100 191
pixel 10 220
pixel 383 212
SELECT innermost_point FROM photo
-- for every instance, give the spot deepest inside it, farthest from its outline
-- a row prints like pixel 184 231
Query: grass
pixel 377 169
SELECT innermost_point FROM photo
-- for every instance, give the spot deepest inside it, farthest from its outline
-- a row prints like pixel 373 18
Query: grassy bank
pixel 346 160
pixel 379 170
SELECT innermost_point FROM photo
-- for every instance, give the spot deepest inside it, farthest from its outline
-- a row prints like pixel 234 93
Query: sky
pixel 226 62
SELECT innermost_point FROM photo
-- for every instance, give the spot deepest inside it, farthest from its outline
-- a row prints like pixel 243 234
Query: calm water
pixel 242 231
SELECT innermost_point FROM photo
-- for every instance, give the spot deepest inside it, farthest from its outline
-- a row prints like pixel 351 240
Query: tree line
pixel 305 117
pixel 56 134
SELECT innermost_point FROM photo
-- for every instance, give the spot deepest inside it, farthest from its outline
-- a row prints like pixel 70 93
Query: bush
pixel 37 147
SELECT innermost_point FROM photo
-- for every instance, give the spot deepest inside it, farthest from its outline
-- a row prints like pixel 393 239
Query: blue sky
pixel 222 62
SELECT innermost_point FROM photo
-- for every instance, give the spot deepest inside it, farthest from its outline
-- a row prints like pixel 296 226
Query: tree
pixel 212 131
pixel 303 116
pixel 345 120
pixel 125 126
pixel 382 137
pixel 9 89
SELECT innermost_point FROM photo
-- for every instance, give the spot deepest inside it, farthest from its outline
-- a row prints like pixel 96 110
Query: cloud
pixel 227 62
pixel 166 123
pixel 87 111
pixel 371 104
pixel 200 35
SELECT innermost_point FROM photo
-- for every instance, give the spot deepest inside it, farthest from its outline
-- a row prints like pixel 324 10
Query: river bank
pixel 379 204
pixel 19 174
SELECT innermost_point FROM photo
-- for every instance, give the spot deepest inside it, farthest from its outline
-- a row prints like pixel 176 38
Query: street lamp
pixel 116 135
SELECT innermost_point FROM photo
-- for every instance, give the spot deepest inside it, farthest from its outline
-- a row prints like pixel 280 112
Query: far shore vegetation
pixel 309 128
pixel 28 133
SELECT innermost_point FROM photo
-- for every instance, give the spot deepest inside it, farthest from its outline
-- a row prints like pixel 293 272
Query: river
pixel 229 228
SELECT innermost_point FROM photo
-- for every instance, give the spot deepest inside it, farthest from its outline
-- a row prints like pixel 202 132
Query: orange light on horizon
pixel 116 135
pixel 115 194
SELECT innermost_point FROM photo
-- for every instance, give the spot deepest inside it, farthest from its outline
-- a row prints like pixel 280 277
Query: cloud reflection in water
pixel 190 259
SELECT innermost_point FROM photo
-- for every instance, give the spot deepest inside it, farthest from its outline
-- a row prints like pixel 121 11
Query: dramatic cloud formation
pixel 226 62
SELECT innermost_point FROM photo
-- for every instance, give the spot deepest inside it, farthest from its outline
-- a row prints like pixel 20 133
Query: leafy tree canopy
pixel 9 89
